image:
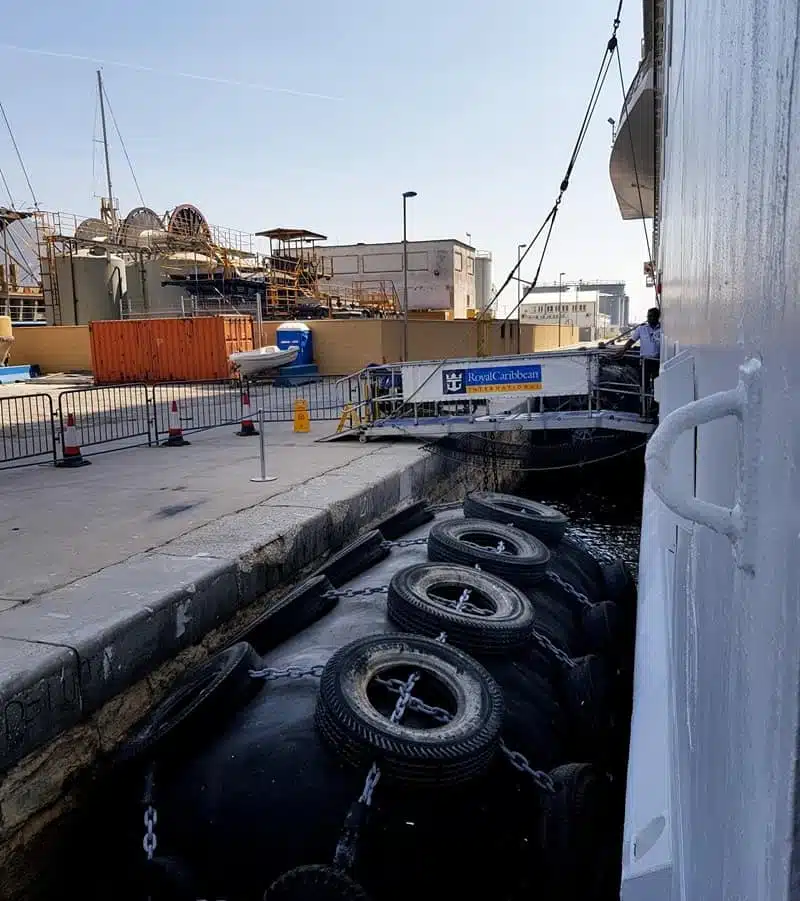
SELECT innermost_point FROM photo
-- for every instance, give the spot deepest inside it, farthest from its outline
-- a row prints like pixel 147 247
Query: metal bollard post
pixel 263 452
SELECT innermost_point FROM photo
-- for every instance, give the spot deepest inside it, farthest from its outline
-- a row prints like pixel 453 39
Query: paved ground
pixel 58 525
pixel 109 570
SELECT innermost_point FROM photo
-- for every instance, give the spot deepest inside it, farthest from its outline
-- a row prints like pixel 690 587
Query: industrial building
pixel 584 304
pixel 446 275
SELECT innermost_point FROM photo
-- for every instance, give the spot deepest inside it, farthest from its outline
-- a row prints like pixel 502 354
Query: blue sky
pixel 477 111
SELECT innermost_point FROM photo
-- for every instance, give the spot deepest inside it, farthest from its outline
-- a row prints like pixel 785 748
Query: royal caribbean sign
pixel 494 380
pixel 546 375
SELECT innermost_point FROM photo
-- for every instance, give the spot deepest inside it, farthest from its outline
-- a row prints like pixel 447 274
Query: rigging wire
pixel 19 157
pixel 124 148
pixel 627 125
pixel 605 65
pixel 549 221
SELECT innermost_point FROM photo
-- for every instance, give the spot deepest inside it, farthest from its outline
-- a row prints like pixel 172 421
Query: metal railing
pixel 108 418
pixel 27 430
pixel 108 415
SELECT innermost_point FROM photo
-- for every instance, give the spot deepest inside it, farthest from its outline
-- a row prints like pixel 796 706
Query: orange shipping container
pixel 167 350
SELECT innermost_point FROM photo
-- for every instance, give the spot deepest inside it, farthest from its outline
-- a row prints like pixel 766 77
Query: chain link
pixel 548 645
pixel 150 841
pixel 291 672
pixel 373 777
pixel 406 542
pixel 570 589
pixel 396 686
pixel 519 762
pixel 355 592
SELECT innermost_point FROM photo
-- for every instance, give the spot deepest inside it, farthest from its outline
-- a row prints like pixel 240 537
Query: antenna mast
pixel 107 208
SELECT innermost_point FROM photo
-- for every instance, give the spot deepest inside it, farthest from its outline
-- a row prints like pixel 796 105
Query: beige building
pixel 441 274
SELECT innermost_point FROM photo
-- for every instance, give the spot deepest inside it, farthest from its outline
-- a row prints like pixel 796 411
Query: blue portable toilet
pixel 296 334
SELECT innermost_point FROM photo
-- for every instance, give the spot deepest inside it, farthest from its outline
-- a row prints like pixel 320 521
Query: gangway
pixel 577 389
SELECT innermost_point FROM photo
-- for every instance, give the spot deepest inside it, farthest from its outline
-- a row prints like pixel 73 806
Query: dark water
pixel 603 501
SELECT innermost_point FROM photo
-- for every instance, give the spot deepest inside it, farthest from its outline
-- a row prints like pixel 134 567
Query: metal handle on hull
pixel 743 402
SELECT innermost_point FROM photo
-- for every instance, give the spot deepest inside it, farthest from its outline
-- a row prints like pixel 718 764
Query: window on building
pixel 458 260
pixel 418 261
pixel 469 301
pixel 470 266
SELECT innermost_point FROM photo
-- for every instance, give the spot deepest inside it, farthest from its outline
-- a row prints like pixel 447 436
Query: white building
pixel 441 274
pixel 581 313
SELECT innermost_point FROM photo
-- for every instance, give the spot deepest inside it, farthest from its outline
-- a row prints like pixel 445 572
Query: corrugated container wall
pixel 167 350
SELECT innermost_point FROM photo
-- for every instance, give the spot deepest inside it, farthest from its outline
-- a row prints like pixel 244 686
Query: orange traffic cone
pixel 247 422
pixel 175 433
pixel 70 446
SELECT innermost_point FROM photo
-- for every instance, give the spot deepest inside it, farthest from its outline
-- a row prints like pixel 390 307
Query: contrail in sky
pixel 191 75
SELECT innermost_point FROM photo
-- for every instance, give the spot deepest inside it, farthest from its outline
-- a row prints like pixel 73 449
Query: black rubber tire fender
pixel 449 542
pixel 603 630
pixel 315 883
pixel 412 605
pixel 354 558
pixel 618 582
pixel 589 698
pixel 450 753
pixel 543 522
pixel 301 607
pixel 578 556
pixel 198 701
pixel 554 620
pixel 576 826
pixel 404 520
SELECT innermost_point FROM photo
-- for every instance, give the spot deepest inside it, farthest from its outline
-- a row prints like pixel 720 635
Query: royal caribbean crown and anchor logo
pixel 492 380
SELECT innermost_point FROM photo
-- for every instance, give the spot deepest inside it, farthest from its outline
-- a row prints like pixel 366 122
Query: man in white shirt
pixel 649 337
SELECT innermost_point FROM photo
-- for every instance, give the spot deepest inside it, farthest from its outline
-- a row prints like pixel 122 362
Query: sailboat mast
pixel 105 139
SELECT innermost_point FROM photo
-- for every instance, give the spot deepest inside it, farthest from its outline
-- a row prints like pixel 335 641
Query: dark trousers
pixel 650 367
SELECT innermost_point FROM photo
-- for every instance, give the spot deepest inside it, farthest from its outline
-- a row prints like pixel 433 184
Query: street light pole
pixel 406 195
pixel 520 248
pixel 560 277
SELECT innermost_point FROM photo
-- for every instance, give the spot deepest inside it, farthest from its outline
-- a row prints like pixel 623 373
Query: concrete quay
pixel 118 576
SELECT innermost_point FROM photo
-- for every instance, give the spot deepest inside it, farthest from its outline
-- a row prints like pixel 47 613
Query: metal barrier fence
pixel 107 415
pixel 27 430
pixel 200 405
pixel 32 425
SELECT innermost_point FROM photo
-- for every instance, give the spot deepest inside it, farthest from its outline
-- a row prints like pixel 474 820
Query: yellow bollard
pixel 302 419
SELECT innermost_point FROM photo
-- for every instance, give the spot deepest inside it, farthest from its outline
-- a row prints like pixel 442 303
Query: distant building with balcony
pixel 441 274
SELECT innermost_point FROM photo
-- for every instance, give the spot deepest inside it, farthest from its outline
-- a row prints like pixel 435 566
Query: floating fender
pixel 521 560
pixel 302 606
pixel 576 826
pixel 619 583
pixel 499 618
pixel 545 523
pixel 355 558
pixel 589 700
pixel 603 630
pixel 197 703
pixel 554 620
pixel 576 563
pixel 404 520
pixel 315 883
pixel 416 749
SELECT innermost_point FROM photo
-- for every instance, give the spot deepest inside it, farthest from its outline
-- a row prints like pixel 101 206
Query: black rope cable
pixel 124 148
pixel 19 157
pixel 605 64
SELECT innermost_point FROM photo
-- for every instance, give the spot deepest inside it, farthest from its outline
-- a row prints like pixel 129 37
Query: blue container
pixel 296 334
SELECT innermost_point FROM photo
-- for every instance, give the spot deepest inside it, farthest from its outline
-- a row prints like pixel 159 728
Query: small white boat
pixel 252 362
